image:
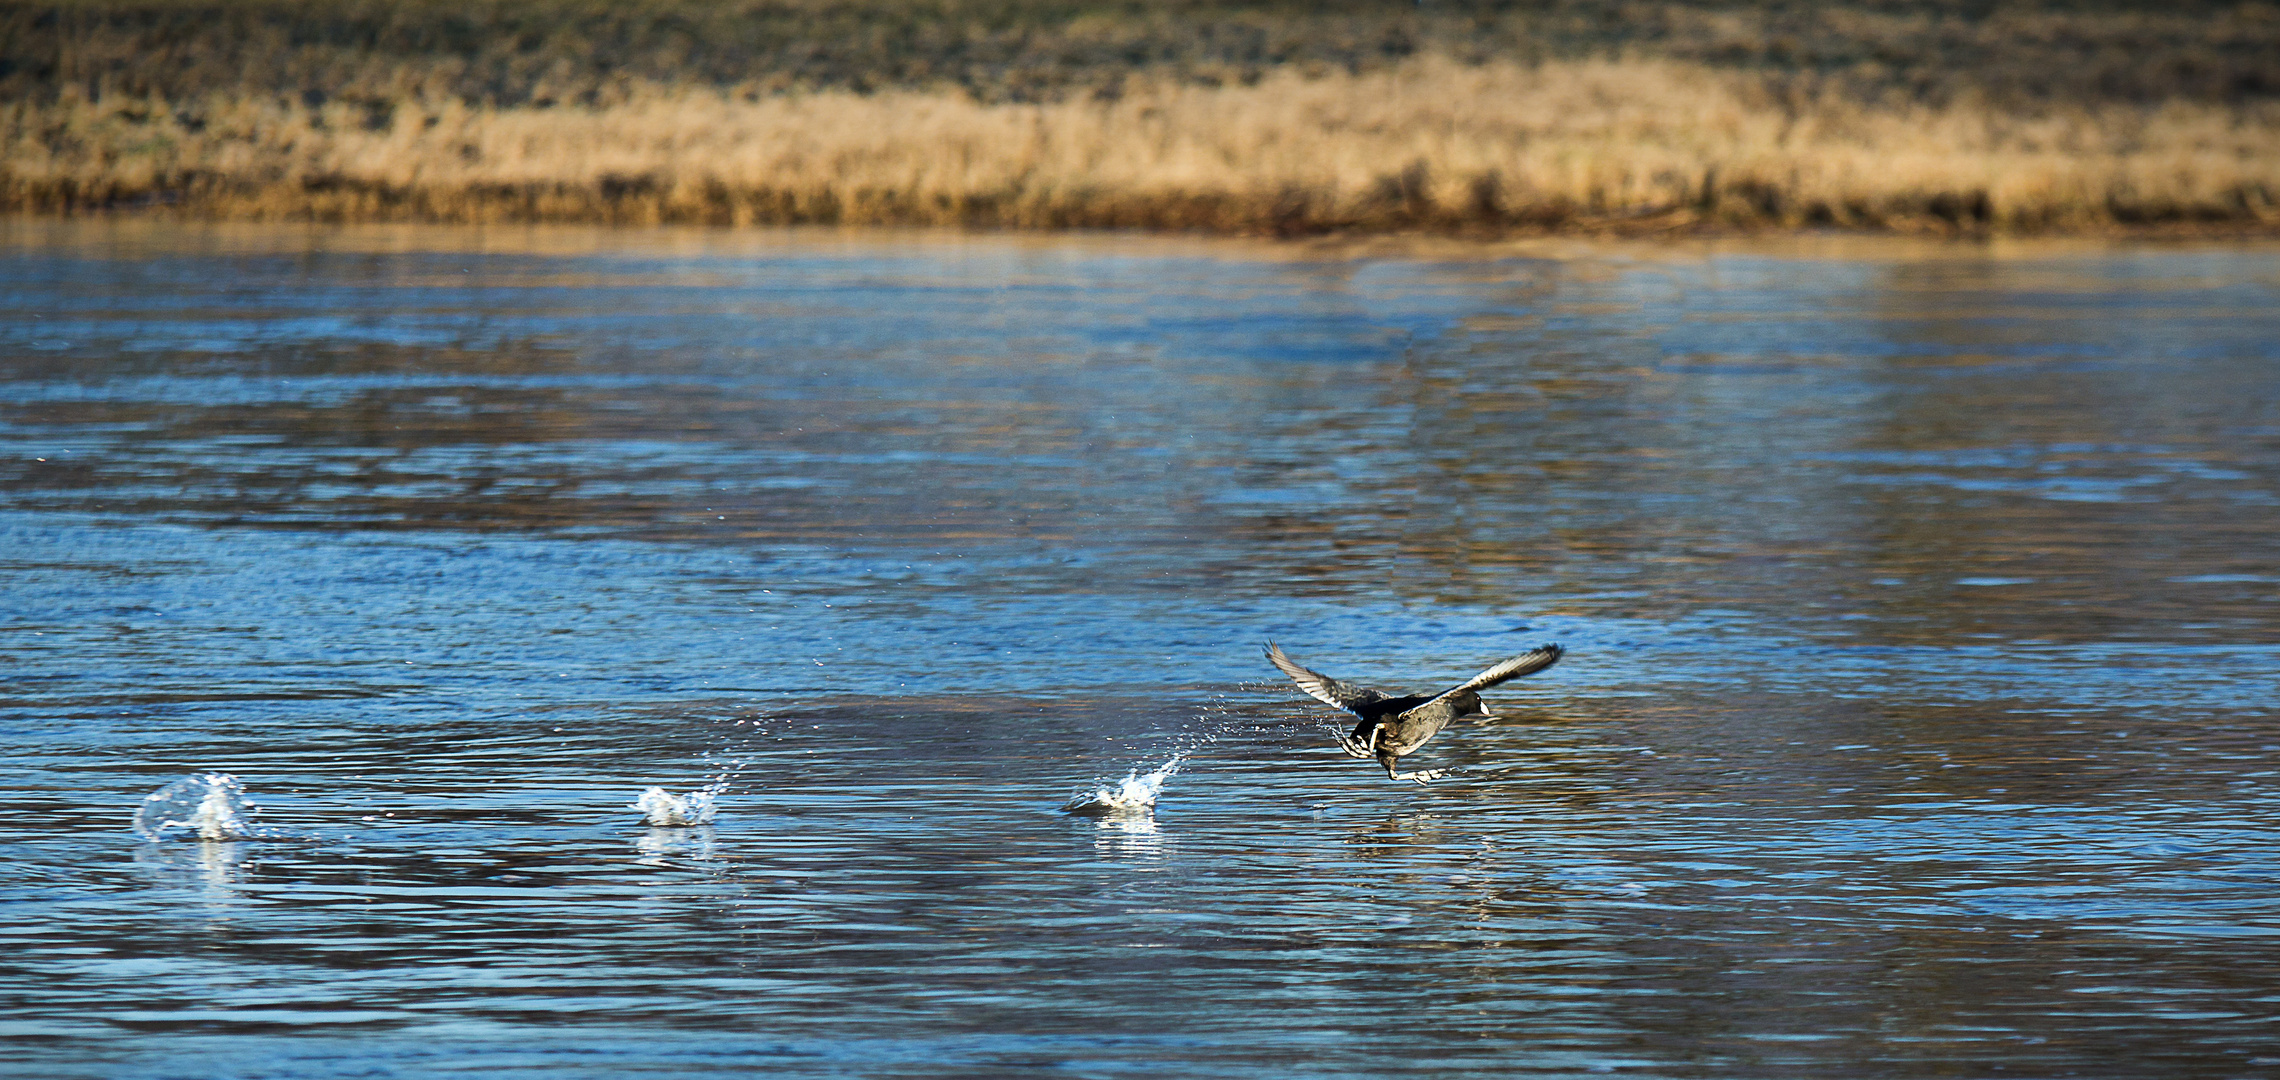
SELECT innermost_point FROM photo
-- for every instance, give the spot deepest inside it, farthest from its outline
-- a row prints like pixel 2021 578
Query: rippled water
pixel 1922 606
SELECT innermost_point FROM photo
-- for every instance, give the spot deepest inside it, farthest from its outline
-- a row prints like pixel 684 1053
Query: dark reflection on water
pixel 1918 718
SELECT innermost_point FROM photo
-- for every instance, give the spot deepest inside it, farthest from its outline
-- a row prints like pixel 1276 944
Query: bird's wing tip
pixel 1527 663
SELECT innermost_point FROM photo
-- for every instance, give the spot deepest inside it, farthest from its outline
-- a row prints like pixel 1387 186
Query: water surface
pixel 1922 609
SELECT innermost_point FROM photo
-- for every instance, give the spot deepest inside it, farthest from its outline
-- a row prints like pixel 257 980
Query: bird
pixel 1392 728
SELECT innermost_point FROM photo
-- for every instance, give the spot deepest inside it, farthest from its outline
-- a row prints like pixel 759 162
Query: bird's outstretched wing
pixel 1527 663
pixel 1322 687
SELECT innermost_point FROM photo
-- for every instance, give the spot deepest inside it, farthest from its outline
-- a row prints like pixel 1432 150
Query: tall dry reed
pixel 1430 143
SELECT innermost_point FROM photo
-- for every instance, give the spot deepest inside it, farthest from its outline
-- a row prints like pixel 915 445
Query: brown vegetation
pixel 1170 115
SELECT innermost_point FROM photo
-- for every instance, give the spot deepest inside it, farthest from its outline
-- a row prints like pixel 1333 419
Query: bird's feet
pixel 1362 748
pixel 1422 776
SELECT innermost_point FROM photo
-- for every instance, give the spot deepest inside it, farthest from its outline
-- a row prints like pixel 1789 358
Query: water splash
pixel 209 806
pixel 661 807
pixel 1135 794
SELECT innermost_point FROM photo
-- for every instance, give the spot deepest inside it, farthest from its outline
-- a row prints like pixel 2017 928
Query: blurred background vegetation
pixel 219 104
pixel 502 53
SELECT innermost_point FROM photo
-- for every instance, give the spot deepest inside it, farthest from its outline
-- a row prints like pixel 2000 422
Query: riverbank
pixel 1369 140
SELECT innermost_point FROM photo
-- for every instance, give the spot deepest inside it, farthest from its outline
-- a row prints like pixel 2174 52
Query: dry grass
pixel 1343 132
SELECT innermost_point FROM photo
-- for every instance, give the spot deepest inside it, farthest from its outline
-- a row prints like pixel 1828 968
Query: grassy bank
pixel 1260 118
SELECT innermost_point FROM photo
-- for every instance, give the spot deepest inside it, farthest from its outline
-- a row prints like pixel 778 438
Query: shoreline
pixel 131 227
pixel 1677 230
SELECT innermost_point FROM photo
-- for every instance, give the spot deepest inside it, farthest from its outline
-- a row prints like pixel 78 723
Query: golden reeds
pixel 1453 137
pixel 1433 144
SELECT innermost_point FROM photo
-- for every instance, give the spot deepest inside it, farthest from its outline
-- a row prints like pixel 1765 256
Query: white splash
pixel 209 806
pixel 661 807
pixel 1135 794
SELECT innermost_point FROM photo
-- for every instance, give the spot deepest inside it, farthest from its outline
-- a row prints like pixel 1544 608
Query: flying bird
pixel 1392 728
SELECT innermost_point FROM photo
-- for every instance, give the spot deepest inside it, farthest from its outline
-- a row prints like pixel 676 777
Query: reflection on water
pixel 214 867
pixel 663 844
pixel 1917 716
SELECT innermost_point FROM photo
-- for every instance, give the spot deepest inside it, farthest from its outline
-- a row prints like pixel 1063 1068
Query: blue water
pixel 1918 716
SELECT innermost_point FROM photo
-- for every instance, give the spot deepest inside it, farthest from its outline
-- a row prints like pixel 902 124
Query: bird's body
pixel 1392 728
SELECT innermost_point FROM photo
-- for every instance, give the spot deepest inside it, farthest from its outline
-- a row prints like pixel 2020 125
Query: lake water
pixel 1922 607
